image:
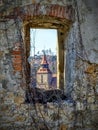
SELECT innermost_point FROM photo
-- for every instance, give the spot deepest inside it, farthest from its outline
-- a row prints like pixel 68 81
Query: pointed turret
pixel 44 59
pixel 44 67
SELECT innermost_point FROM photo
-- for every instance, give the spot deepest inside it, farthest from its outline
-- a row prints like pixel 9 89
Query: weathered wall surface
pixel 14 113
pixel 80 111
pixel 87 14
pixel 82 67
pixel 11 93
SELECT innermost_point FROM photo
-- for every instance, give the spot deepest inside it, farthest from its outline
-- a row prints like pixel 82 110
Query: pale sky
pixel 44 39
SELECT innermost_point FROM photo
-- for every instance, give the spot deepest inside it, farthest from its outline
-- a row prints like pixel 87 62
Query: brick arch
pixel 32 10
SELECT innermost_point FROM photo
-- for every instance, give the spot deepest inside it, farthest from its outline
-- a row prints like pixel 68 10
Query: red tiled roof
pixel 44 60
pixel 44 69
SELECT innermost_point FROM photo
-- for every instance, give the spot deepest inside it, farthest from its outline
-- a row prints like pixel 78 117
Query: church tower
pixel 44 75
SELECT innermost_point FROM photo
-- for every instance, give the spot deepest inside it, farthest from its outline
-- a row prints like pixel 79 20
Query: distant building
pixel 44 75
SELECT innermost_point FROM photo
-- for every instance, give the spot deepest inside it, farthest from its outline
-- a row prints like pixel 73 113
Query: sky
pixel 43 39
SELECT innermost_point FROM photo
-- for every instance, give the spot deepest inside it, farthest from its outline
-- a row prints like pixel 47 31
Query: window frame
pixel 62 27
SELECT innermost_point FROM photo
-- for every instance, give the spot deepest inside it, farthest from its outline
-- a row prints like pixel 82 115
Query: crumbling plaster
pixel 88 12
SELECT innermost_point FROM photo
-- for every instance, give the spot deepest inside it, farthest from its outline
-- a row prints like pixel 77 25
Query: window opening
pixel 45 59
pixel 41 78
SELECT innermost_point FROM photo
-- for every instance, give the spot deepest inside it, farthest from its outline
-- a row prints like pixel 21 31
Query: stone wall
pixel 80 110
pixel 82 69
pixel 11 91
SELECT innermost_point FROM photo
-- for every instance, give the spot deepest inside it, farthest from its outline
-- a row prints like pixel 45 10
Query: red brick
pixel 18 56
pixel 16 52
pixel 55 10
pixel 51 10
pixel 17 60
pixel 16 64
pixel 17 67
pixel 60 12
pixel 63 12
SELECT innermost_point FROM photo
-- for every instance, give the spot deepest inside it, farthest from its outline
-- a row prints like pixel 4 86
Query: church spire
pixel 44 59
pixel 44 66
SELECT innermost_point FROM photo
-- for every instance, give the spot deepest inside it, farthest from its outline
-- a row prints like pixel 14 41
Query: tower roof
pixel 44 67
pixel 44 59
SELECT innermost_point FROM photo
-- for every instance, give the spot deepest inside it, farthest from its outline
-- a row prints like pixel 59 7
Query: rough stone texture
pixel 82 67
pixel 87 14
pixel 80 110
pixel 35 116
